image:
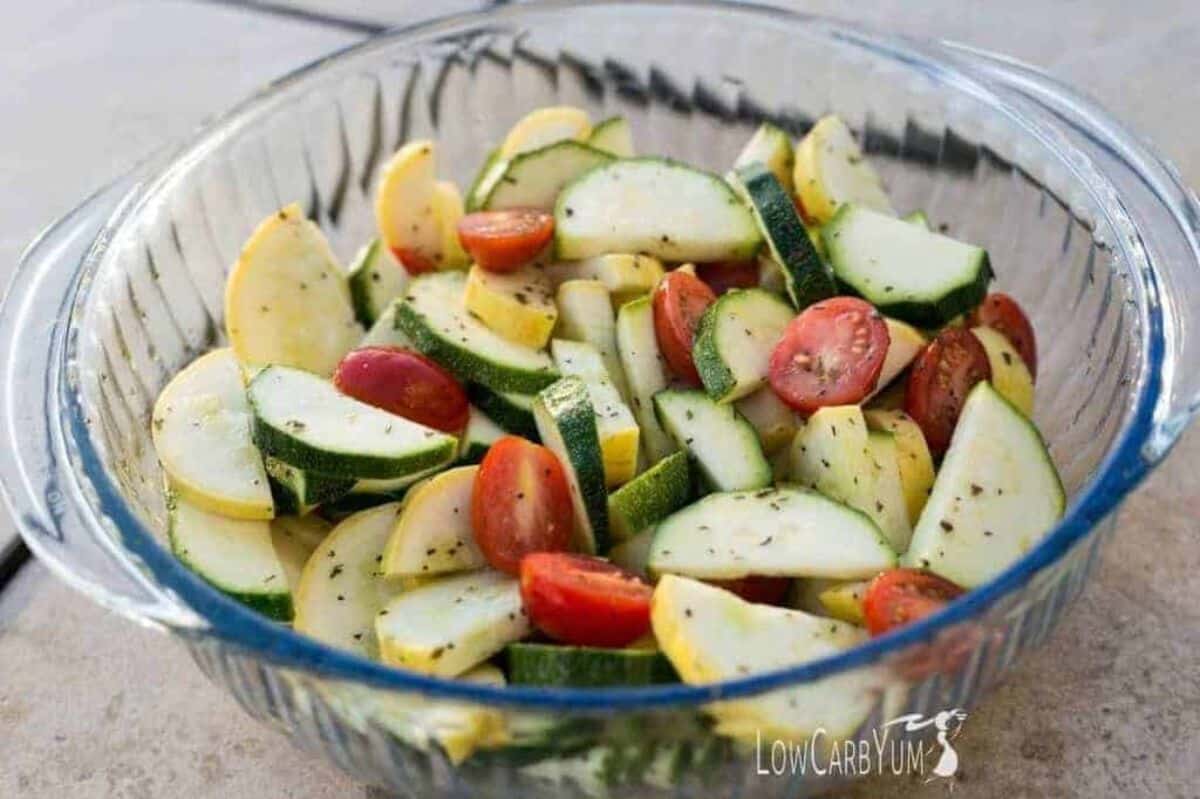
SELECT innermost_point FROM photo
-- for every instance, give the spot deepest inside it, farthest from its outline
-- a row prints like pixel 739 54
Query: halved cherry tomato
pixel 899 596
pixel 1002 313
pixel 584 601
pixel 504 241
pixel 831 354
pixel 762 590
pixel 520 503
pixel 413 262
pixel 941 377
pixel 679 302
pixel 721 276
pixel 405 383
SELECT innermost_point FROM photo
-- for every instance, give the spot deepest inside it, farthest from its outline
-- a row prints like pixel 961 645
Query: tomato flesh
pixel 831 354
pixel 413 262
pixel 520 503
pixel 405 383
pixel 901 596
pixel 761 590
pixel 939 381
pixel 504 241
pixel 584 601
pixel 722 276
pixel 1002 313
pixel 679 302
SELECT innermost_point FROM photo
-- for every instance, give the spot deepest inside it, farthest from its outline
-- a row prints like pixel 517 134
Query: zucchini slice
pixel 342 587
pixel 653 206
pixel 478 437
pixel 912 274
pixel 566 422
pixel 298 491
pixel 719 440
pixel 711 635
pixel 615 425
pixel 831 172
pixel 585 314
pixel 586 667
pixel 613 136
pixel 637 347
pixel 650 497
pixel 306 422
pixel 375 280
pixel 996 495
pixel 805 275
pixel 772 147
pixel 534 179
pixel 432 315
pixel 516 305
pixel 485 179
pixel 201 432
pixel 286 300
pixel 384 332
pixel 784 532
pixel 235 556
pixel 735 339
pixel 512 412
pixel 450 625
pixel 433 534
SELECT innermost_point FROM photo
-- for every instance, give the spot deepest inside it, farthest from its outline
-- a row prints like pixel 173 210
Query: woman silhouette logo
pixel 943 721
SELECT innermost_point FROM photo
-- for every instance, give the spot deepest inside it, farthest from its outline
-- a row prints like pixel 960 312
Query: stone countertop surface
pixel 93 706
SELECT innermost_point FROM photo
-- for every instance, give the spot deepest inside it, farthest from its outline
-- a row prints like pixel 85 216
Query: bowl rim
pixel 1118 472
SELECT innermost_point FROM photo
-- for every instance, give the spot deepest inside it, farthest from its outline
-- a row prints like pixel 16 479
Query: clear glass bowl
pixel 1086 225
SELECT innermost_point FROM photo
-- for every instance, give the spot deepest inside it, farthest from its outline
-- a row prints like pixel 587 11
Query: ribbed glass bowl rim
pixel 1120 470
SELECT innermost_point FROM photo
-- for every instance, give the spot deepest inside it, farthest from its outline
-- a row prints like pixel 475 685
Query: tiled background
pixel 91 706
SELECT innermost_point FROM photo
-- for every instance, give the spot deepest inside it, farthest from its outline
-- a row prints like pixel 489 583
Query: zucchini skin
pixel 715 374
pixel 513 419
pixel 809 280
pixel 464 363
pixel 651 496
pixel 935 313
pixel 568 405
pixel 297 491
pixel 586 667
pixel 289 449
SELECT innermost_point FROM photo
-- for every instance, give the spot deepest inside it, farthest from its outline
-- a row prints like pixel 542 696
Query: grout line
pixel 279 9
pixel 12 558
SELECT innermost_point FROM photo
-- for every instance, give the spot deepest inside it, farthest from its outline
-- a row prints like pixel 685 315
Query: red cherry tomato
pixel 831 354
pixel 721 276
pixel 762 590
pixel 679 302
pixel 413 262
pixel 520 503
pixel 940 379
pixel 504 241
pixel 405 383
pixel 584 601
pixel 899 596
pixel 1001 313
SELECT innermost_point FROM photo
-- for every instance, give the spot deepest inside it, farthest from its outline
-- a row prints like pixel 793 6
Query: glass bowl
pixel 1091 230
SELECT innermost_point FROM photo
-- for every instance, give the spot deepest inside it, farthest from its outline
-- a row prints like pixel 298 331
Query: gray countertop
pixel 92 706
